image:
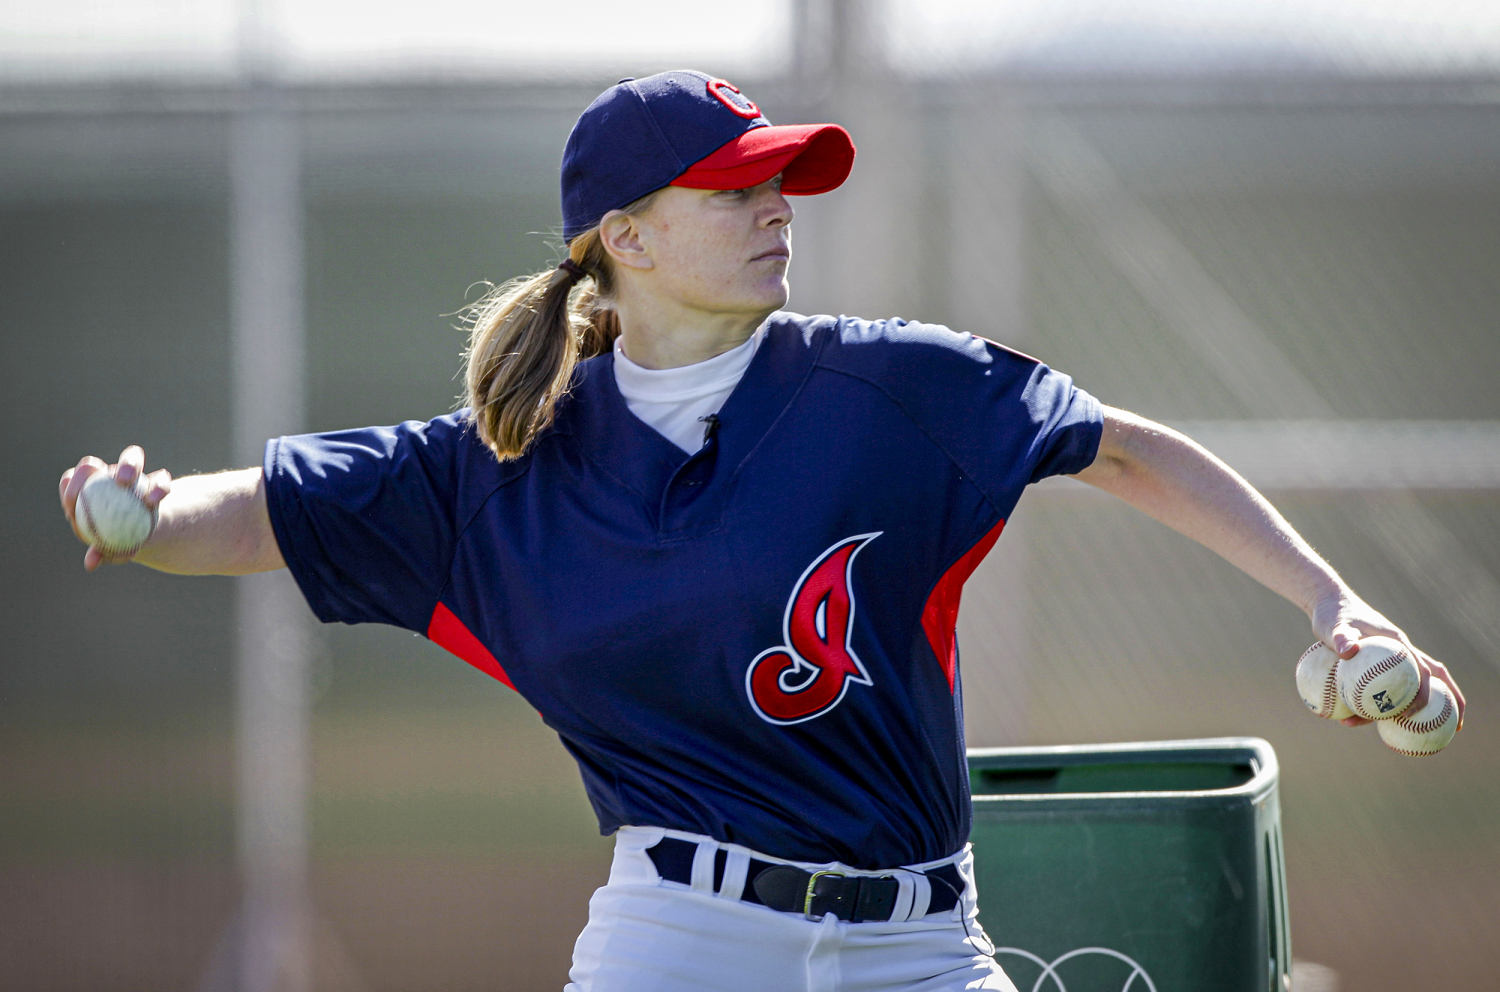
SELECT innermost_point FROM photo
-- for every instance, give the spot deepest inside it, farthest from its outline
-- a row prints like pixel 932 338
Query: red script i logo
pixel 808 675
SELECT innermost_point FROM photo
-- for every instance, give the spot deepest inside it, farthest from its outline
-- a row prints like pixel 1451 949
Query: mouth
pixel 782 253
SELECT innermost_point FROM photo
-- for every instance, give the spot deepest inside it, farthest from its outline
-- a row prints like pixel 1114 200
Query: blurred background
pixel 1273 224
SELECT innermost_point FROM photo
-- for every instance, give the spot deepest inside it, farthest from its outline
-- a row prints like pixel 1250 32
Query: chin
pixel 783 292
pixel 762 298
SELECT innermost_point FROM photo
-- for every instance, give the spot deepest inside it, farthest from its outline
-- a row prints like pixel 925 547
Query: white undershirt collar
pixel 675 401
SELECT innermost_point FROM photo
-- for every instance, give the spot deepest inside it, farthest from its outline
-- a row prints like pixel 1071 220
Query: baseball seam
pixel 1428 726
pixel 1369 675
pixel 96 541
pixel 88 521
pixel 1330 694
pixel 1330 699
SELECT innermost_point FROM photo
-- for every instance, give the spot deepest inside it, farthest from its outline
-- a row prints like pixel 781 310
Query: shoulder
pixel 895 348
pixel 444 452
pixel 445 437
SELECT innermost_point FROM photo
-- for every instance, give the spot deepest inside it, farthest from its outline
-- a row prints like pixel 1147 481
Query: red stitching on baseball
pixel 88 520
pixel 1330 698
pixel 1330 692
pixel 1379 668
pixel 1428 726
pixel 81 508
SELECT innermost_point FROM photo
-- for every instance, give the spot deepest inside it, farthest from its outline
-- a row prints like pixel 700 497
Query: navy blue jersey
pixel 754 642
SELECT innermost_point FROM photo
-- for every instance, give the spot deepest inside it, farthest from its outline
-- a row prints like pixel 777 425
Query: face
pixel 718 251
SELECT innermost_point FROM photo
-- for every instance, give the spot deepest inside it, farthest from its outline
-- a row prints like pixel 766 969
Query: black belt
pixel 814 894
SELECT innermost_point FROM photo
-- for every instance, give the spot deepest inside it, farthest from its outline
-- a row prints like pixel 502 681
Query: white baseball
pixel 1381 680
pixel 1425 730
pixel 112 518
pixel 1318 685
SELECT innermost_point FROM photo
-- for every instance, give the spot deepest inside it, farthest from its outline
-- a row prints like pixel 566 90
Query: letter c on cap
pixel 730 96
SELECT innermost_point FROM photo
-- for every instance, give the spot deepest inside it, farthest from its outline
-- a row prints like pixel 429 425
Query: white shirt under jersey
pixel 675 401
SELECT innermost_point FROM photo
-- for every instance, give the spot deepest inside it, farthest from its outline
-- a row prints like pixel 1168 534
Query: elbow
pixel 258 550
pixel 1125 445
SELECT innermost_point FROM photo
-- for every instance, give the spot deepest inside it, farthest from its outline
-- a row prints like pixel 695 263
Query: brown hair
pixel 526 338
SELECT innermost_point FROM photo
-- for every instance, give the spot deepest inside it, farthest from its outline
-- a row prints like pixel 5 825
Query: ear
pixel 620 234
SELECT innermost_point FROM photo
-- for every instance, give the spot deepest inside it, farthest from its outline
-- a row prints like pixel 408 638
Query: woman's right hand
pixel 130 467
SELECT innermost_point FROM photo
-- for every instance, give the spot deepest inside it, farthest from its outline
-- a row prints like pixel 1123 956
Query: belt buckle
pixel 812 883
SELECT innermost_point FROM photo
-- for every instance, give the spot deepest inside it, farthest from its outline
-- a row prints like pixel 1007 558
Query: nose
pixel 776 208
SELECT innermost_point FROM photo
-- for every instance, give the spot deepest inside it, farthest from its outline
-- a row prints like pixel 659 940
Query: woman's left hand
pixel 1343 623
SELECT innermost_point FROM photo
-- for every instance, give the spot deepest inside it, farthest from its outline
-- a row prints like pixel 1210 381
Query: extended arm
pixel 207 524
pixel 1172 478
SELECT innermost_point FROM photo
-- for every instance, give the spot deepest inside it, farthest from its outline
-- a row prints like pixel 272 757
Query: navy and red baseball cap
pixel 687 128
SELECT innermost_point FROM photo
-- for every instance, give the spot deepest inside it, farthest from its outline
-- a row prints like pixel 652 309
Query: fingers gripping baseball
pixel 1437 670
pixel 112 508
pixel 1429 668
pixel 1343 623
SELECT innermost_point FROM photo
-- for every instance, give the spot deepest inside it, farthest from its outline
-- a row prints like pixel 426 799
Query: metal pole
pixel 269 947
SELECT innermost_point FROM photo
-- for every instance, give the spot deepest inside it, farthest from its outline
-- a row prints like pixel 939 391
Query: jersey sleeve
pixel 1004 418
pixel 365 519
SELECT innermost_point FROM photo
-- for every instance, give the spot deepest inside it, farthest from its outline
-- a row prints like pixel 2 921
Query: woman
pixel 720 548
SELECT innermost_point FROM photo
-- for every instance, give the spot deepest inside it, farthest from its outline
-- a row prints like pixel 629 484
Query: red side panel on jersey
pixel 448 631
pixel 940 616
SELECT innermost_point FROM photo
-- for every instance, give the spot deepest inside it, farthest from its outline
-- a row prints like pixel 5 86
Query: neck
pixel 658 340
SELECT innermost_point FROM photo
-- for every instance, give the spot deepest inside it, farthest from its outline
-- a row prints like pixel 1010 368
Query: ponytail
pixel 526 339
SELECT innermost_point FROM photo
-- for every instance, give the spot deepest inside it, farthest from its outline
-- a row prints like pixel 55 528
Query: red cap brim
pixel 810 158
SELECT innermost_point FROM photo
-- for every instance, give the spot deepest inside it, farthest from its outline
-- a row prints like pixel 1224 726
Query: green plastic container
pixel 1151 867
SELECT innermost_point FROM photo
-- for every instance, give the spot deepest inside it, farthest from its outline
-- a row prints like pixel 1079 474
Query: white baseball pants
pixel 649 935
